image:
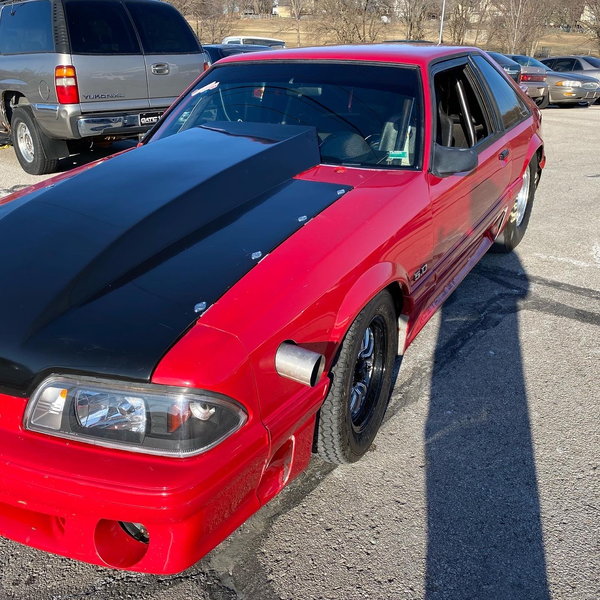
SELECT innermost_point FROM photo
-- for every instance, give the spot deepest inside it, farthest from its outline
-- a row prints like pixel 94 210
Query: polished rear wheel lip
pixel 522 198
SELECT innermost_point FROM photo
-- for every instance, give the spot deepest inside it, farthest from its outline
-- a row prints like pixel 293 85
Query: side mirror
pixel 450 161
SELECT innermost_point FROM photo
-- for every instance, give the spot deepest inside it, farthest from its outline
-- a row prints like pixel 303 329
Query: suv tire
pixel 28 141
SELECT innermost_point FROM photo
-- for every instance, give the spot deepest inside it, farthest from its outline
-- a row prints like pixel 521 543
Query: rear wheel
pixel 543 101
pixel 518 219
pixel 28 142
pixel 362 379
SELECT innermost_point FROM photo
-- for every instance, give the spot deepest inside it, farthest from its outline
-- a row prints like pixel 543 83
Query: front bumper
pixel 573 95
pixel 68 498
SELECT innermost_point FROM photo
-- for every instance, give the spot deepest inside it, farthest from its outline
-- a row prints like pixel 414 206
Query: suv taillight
pixel 65 81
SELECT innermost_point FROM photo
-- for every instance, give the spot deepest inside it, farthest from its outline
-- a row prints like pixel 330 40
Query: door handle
pixel 504 154
pixel 160 68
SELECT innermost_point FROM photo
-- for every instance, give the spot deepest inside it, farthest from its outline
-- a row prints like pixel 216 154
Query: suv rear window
pixel 162 29
pixel 26 28
pixel 97 27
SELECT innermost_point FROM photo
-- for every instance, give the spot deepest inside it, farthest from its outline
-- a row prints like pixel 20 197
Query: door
pixel 173 57
pixel 464 204
pixel 108 60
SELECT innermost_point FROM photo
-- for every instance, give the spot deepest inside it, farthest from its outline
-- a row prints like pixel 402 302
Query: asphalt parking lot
pixel 484 482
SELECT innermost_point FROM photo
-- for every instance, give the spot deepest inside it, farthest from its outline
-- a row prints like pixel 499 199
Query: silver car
pixel 579 64
pixel 566 89
pixel 83 70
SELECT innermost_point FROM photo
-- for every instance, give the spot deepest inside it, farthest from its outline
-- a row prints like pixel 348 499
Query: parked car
pixel 189 319
pixel 579 64
pixel 83 70
pixel 534 78
pixel 253 41
pixel 512 68
pixel 218 51
pixel 564 90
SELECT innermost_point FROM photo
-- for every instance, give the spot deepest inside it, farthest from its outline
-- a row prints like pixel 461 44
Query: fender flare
pixel 362 291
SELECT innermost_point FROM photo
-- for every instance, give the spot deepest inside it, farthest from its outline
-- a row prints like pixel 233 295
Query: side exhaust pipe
pixel 299 364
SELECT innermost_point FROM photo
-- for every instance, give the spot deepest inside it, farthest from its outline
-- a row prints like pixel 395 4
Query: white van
pixel 253 41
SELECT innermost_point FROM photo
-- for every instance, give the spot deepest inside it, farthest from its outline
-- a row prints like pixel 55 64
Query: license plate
pixel 149 118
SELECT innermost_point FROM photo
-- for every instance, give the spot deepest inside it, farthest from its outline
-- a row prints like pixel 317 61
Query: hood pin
pixel 200 307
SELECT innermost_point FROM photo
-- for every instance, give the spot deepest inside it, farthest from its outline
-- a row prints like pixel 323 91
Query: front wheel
pixel 362 379
pixel 518 219
pixel 28 142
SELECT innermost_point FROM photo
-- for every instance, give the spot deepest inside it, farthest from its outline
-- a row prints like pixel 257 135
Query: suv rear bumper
pixel 67 122
pixel 112 125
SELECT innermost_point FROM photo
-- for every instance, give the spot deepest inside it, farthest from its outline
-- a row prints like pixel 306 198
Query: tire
pixel 543 103
pixel 518 219
pixel 361 384
pixel 28 142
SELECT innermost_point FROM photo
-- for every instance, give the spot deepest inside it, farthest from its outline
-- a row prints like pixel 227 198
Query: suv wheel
pixel 28 142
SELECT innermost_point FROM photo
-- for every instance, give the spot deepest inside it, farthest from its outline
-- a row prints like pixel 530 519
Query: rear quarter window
pixel 162 29
pixel 26 28
pixel 97 27
pixel 512 108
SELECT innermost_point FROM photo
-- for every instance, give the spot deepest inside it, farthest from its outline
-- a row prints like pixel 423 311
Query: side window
pixel 26 28
pixel 564 64
pixel 461 119
pixel 578 65
pixel 100 27
pixel 162 29
pixel 512 108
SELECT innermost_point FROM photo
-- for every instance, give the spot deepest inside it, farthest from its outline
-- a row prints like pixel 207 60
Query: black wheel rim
pixel 369 372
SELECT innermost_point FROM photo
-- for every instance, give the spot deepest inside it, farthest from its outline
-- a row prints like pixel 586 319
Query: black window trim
pixel 492 119
pixel 525 114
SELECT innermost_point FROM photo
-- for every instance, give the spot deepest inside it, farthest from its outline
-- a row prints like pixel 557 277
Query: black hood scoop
pixel 103 272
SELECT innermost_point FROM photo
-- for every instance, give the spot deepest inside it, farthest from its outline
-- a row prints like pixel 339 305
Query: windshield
pixel 365 115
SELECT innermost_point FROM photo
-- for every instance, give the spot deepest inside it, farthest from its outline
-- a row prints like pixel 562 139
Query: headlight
pixel 147 418
pixel 567 83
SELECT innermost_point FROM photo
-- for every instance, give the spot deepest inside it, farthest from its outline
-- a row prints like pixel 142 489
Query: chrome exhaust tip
pixel 299 364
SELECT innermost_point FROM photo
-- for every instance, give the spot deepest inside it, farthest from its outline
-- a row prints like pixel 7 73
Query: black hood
pixel 101 273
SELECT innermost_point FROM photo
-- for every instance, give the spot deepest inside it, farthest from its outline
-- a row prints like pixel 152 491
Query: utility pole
pixel 442 22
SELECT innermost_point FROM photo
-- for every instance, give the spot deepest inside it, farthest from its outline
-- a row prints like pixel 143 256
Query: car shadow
pixel 484 533
pixel 95 152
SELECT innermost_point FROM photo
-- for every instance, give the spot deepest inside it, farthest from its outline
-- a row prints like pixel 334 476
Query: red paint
pixel 65 497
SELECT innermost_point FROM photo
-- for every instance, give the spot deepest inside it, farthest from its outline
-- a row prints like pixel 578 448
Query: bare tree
pixel 414 15
pixel 518 24
pixel 298 8
pixel 463 15
pixel 590 19
pixel 212 19
pixel 351 21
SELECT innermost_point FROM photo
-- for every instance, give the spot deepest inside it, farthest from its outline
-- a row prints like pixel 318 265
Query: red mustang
pixel 183 324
